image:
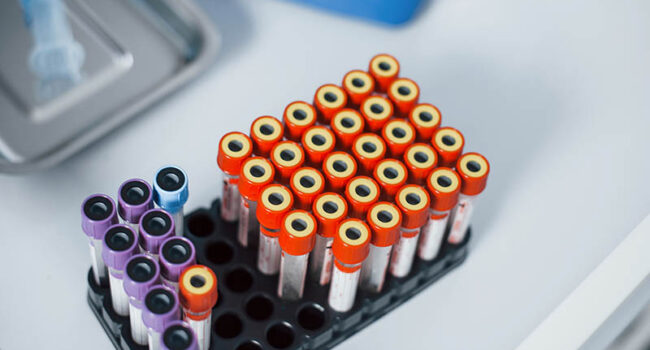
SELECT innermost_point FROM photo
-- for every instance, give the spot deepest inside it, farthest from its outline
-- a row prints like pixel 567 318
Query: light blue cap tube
pixel 170 189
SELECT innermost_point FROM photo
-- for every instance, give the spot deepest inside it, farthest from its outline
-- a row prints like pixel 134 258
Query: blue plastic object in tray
pixel 386 11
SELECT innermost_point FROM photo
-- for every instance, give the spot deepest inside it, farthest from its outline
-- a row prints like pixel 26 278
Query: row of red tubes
pixel 352 186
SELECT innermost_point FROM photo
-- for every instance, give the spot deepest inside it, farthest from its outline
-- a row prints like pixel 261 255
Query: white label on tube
pixel 99 268
pixel 230 200
pixel 268 257
pixel 460 217
pixel 154 339
pixel 403 254
pixel 431 236
pixel 343 289
pixel 201 330
pixel 178 222
pixel 242 228
pixel 138 329
pixel 293 269
pixel 119 299
pixel 373 270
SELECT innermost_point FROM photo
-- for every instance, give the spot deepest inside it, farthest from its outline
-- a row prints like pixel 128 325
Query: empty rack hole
pixel 219 252
pixel 280 336
pixel 239 280
pixel 311 317
pixel 200 225
pixel 249 345
pixel 259 308
pixel 228 326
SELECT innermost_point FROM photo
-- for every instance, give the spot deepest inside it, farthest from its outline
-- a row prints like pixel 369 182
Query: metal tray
pixel 136 52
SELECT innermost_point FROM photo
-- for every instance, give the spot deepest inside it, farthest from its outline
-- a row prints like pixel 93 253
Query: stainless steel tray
pixel 136 52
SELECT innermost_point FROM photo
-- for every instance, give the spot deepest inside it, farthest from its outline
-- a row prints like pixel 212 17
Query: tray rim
pixel 210 42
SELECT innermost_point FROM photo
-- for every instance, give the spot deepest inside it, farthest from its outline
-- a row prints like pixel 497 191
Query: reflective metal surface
pixel 72 70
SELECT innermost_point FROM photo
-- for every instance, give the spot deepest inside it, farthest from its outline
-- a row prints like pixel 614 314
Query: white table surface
pixel 555 93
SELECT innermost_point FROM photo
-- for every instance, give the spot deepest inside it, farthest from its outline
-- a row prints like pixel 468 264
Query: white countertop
pixel 555 94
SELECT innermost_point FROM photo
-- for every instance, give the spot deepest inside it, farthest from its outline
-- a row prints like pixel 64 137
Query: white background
pixel 555 93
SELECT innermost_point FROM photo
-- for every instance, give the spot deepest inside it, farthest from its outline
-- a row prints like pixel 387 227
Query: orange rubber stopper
pixel 473 169
pixel 298 232
pixel 198 291
pixel 234 148
pixel 384 220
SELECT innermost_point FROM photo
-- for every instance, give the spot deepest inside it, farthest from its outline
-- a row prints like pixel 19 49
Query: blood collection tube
pixel 358 85
pixel 156 225
pixel 361 192
pixel 306 184
pixel 420 159
pixel 120 244
pixel 161 307
pixel 170 192
pixel 347 125
pixel 97 214
pixel 142 273
pixel 176 254
pixel 328 100
pixel 376 111
pixel 266 131
pixel 297 237
pixel 398 134
pixel 286 156
pixel 413 201
pixel 448 143
pixel 318 141
pixel 275 201
pixel 339 168
pixel 384 220
pixel 234 148
pixel 404 93
pixel 384 68
pixel 256 173
pixel 426 119
pixel 198 294
pixel 391 175
pixel 350 249
pixel 444 187
pixel 368 149
pixel 329 209
pixel 178 336
pixel 473 169
pixel 134 198
pixel 298 117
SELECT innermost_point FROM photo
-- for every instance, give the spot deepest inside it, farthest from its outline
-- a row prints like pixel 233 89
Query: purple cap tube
pixel 141 273
pixel 176 254
pixel 97 214
pixel 178 336
pixel 161 307
pixel 156 225
pixel 120 243
pixel 134 197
